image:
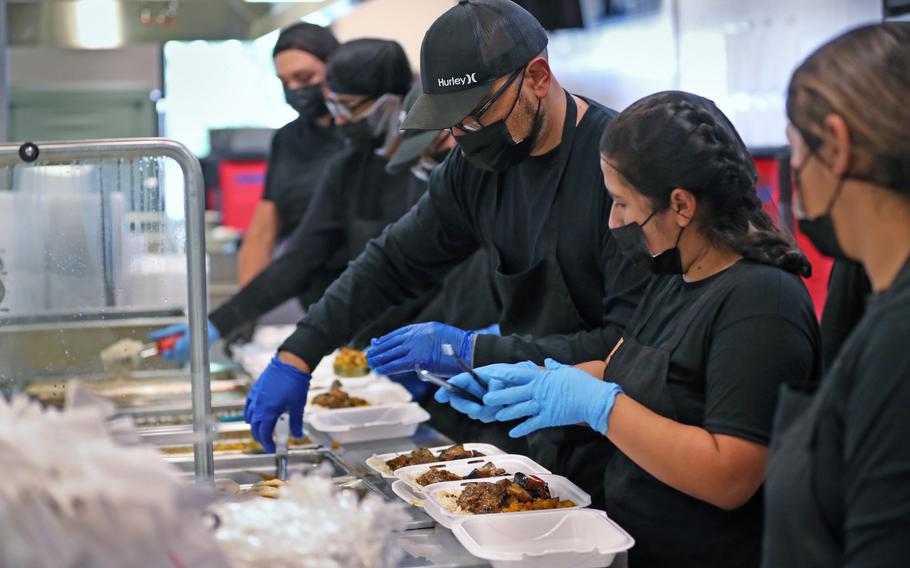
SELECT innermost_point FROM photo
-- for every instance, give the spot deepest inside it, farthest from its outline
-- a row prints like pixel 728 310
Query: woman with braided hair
pixel 685 400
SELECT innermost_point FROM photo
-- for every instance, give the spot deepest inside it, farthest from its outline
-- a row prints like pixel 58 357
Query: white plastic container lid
pixel 377 462
pixel 509 462
pixel 439 506
pixel 377 393
pixel 370 422
pixel 579 538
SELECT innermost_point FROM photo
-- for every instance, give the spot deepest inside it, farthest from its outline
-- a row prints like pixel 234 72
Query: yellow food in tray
pixel 246 445
pixel 351 363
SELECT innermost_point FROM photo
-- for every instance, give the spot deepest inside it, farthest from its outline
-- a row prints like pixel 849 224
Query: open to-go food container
pixel 441 497
pixel 511 463
pixel 324 374
pixel 377 462
pixel 401 489
pixel 351 425
pixel 562 538
pixel 377 393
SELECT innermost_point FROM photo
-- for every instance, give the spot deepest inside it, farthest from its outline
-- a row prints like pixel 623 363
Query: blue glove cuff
pixel 291 370
pixel 601 405
pixel 467 348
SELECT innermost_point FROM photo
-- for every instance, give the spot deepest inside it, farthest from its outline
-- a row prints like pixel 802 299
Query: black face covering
pixel 820 231
pixel 634 246
pixel 359 135
pixel 492 147
pixel 307 101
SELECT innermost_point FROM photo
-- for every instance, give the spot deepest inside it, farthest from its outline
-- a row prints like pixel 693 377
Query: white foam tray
pixel 562 538
pixel 351 425
pixel 377 462
pixel 378 393
pixel 509 462
pixel 560 488
pixel 404 493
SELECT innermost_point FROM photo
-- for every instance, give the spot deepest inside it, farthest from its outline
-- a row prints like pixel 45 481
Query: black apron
pixel 671 528
pixel 537 302
pixel 790 473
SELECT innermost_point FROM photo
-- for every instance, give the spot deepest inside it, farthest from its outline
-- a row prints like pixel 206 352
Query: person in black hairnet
pixel 299 156
pixel 300 149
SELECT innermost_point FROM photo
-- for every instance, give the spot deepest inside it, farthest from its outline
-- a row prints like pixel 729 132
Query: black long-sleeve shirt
pixel 459 215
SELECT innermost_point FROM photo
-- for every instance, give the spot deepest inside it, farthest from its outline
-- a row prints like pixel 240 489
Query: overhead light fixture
pixel 96 24
pixel 283 1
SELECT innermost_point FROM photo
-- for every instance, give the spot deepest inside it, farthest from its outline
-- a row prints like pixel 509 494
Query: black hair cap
pixel 369 67
pixel 313 39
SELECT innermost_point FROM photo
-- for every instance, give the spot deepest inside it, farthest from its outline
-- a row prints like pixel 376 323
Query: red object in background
pixel 242 184
pixel 773 170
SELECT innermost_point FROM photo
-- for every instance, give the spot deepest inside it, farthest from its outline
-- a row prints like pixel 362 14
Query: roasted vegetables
pixel 337 398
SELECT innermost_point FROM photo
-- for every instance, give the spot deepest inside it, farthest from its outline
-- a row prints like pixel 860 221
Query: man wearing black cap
pixel 527 187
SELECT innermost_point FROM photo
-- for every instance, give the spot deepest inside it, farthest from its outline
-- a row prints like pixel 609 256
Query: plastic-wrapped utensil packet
pixel 311 524
pixel 72 496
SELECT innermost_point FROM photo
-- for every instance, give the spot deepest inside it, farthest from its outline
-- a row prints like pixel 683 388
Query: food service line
pixel 426 543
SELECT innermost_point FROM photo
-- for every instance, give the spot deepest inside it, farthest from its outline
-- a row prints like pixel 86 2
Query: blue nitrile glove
pixel 489 330
pixel 558 396
pixel 420 346
pixel 491 375
pixel 418 389
pixel 181 350
pixel 281 388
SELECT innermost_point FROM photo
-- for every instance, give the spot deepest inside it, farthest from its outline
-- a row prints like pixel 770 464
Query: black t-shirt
pixel 859 463
pixel 300 153
pixel 725 373
pixel 724 377
pixel 848 288
pixel 459 215
pixel 520 214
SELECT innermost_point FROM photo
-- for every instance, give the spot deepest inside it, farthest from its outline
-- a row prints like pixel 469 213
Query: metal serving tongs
pixel 282 436
pixel 129 353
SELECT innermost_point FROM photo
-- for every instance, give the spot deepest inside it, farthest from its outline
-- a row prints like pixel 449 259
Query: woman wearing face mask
pixel 686 397
pixel 838 490
pixel 300 149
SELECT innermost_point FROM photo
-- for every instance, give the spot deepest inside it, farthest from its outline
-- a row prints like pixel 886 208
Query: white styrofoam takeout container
pixel 435 502
pixel 561 538
pixel 377 462
pixel 404 493
pixel 377 393
pixel 509 462
pixel 324 374
pixel 351 425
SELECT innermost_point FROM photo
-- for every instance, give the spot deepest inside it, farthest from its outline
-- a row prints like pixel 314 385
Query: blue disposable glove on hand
pixel 491 375
pixel 558 396
pixel 181 350
pixel 419 346
pixel 281 388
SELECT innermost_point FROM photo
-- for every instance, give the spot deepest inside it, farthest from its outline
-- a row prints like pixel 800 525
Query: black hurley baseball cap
pixel 464 51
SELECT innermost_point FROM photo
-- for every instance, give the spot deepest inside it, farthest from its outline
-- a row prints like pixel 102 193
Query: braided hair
pixel 674 139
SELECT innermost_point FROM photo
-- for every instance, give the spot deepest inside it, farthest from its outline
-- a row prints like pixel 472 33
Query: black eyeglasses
pixel 472 122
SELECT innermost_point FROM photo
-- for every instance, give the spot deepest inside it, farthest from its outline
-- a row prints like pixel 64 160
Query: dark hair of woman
pixel 674 139
pixel 864 77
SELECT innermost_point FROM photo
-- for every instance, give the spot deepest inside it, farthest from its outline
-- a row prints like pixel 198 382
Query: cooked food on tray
pixel 521 493
pixel 440 473
pixel 337 398
pixel 246 445
pixel 351 363
pixel 423 455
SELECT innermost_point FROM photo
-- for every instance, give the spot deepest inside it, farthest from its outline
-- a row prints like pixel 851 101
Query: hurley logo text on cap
pixel 468 79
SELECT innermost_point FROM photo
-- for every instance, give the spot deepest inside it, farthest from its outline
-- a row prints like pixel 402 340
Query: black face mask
pixel 492 147
pixel 307 101
pixel 634 246
pixel 820 231
pixel 359 134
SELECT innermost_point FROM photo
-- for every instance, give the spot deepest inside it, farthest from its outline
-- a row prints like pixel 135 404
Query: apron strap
pixel 565 150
